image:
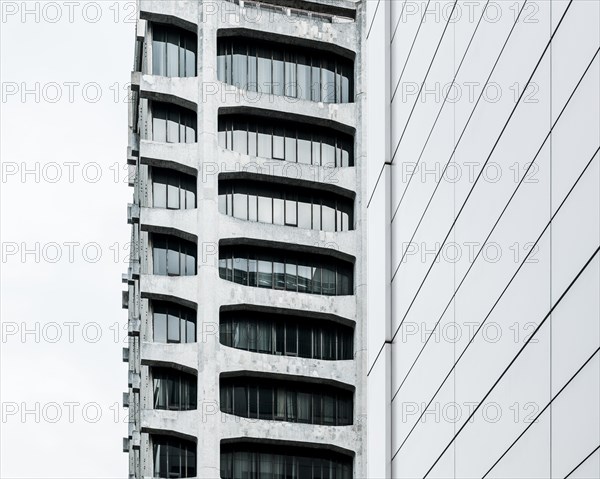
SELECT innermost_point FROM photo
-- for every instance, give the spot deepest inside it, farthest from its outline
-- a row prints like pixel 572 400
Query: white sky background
pixel 39 373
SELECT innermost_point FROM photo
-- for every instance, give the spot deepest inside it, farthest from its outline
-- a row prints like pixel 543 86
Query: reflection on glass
pixel 173 51
pixel 285 70
pixel 263 202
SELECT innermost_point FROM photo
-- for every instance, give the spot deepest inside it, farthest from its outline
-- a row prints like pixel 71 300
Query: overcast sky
pixel 64 71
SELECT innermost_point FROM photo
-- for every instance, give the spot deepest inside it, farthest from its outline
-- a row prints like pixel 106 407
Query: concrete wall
pixel 484 228
pixel 206 292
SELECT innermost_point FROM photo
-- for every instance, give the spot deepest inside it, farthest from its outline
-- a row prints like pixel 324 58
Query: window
pixel 315 274
pixel 286 140
pixel 173 190
pixel 285 70
pixel 173 323
pixel 174 390
pixel 173 256
pixel 290 206
pixel 173 51
pixel 244 397
pixel 173 124
pixel 262 461
pixel 286 335
pixel 173 457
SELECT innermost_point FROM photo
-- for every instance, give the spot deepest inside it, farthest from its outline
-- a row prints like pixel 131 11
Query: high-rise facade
pixel 483 129
pixel 246 285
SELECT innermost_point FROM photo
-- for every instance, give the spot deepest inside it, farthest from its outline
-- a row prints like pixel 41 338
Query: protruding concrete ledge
pixel 338 439
pixel 342 242
pixel 182 424
pixel 276 26
pixel 179 289
pixel 178 156
pixel 229 293
pixel 181 91
pixel 183 14
pixel 342 116
pixel 179 356
pixel 181 223
pixel 281 172
pixel 235 362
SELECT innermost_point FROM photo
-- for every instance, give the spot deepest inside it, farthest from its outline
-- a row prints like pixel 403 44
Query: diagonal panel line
pixel 542 322
pixel 495 303
pixel 478 176
pixel 468 119
pixel 534 421
pixel 502 214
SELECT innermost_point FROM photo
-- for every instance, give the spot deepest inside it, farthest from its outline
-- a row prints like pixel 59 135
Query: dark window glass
pixel 173 124
pixel 285 140
pixel 173 323
pixel 286 401
pixel 285 70
pixel 286 335
pixel 173 389
pixel 173 457
pixel 173 256
pixel 329 279
pixel 173 51
pixel 171 189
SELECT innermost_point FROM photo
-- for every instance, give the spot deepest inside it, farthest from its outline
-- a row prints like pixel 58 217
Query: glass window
pixel 284 70
pixel 290 145
pixel 160 326
pixel 159 55
pixel 159 195
pixel 304 279
pixel 171 189
pixel 278 143
pixel 309 277
pixel 173 323
pixel 286 401
pixel 173 256
pixel 278 211
pixel 304 77
pixel 173 51
pixel 304 148
pixel 316 80
pixel 173 124
pixel 173 457
pixel 240 66
pixel 159 124
pixel 278 73
pixel 328 216
pixel 291 277
pixel 291 212
pixel 265 134
pixel 328 152
pixel 265 79
pixel 240 206
pixel 291 340
pixel 265 209
pixel 240 271
pixel 240 137
pixel 283 140
pixel 252 69
pixel 328 281
pixel 304 213
pixel 265 274
pixel 172 54
pixel 279 275
pixel 290 75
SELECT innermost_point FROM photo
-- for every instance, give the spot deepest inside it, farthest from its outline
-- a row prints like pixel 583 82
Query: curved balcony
pixel 178 156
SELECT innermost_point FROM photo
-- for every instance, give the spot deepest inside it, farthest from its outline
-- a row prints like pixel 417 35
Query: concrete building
pixel 483 182
pixel 245 286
